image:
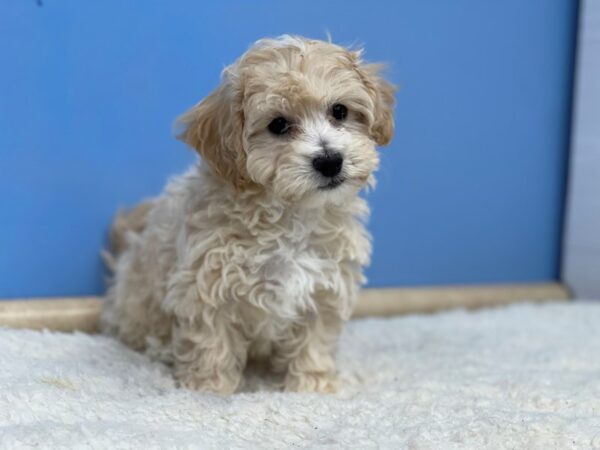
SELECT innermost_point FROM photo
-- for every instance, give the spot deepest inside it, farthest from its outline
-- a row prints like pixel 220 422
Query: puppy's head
pixel 300 118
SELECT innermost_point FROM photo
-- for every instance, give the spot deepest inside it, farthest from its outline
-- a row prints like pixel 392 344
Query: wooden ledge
pixel 390 302
pixel 81 313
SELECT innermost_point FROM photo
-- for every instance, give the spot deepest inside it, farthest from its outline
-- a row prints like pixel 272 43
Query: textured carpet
pixel 524 377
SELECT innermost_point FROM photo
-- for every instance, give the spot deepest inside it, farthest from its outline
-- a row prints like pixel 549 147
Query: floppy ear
pixel 382 93
pixel 213 128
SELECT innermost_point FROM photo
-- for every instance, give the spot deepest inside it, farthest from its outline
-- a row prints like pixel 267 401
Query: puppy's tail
pixel 126 222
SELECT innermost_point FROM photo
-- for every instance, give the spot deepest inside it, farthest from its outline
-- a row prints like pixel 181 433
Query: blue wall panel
pixel 470 191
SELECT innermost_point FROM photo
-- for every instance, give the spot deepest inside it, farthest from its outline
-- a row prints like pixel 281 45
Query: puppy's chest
pixel 293 263
pixel 298 261
pixel 287 274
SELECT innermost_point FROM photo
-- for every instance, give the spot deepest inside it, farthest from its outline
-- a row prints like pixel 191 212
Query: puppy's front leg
pixel 209 357
pixel 308 355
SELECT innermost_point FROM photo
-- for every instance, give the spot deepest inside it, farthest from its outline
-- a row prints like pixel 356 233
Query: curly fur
pixel 247 256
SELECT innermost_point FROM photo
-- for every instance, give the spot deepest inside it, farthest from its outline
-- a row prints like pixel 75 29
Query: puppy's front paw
pixel 215 384
pixel 322 382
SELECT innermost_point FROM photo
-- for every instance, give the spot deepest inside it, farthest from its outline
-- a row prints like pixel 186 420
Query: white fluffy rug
pixel 524 377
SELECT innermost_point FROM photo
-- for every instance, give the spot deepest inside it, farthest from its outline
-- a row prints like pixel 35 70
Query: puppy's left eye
pixel 339 111
pixel 279 126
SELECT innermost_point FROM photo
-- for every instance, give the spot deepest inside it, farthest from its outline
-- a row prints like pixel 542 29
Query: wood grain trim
pixel 81 313
pixel 389 302
pixel 59 314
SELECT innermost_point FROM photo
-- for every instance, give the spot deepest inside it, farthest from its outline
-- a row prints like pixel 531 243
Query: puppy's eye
pixel 279 126
pixel 339 111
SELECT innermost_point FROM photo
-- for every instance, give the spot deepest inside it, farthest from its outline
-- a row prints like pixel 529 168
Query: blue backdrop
pixel 470 191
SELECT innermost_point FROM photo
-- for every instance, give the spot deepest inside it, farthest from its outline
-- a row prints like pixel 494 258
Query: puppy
pixel 258 252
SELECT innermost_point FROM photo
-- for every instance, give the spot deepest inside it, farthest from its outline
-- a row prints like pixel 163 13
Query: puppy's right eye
pixel 279 126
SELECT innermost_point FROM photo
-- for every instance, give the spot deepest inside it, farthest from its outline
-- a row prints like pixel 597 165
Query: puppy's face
pixel 300 118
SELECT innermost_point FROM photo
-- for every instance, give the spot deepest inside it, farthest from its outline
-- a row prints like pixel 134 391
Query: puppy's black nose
pixel 329 164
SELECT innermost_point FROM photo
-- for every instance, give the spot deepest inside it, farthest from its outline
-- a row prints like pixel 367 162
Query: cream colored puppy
pixel 258 252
